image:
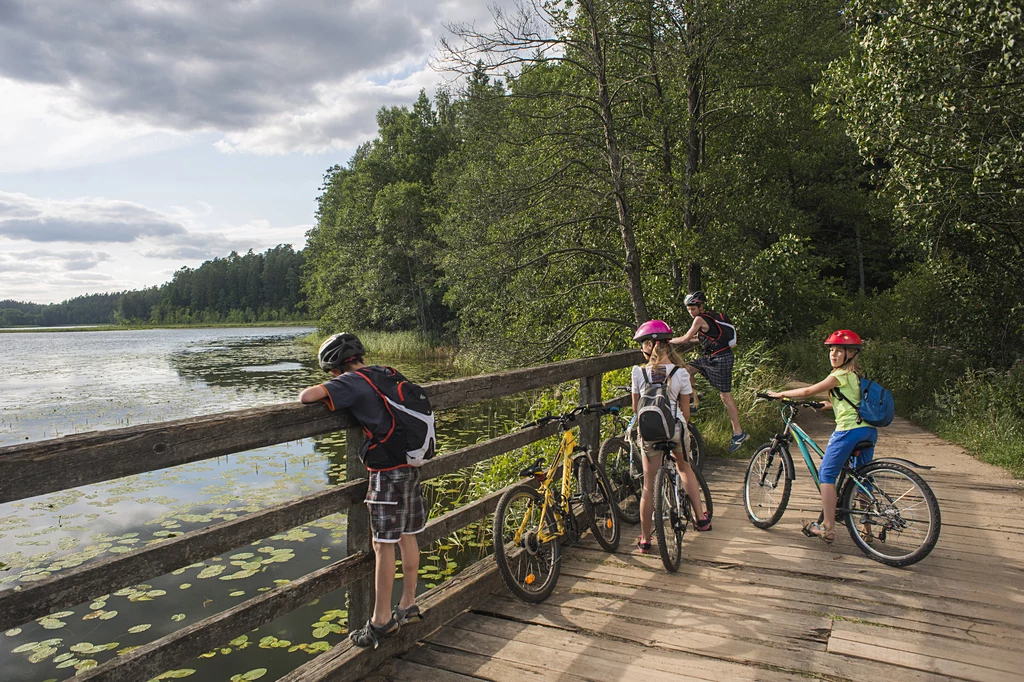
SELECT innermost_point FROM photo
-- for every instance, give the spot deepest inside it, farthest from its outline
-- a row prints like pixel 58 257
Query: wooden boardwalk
pixel 749 604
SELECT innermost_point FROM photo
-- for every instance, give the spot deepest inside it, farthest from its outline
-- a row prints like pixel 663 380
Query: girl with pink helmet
pixel 664 366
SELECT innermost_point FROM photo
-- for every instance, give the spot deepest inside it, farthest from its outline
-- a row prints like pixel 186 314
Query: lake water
pixel 56 384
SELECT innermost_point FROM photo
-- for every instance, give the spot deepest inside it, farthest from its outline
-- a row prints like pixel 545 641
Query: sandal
pixel 813 529
pixel 370 634
pixel 704 525
pixel 409 615
pixel 643 547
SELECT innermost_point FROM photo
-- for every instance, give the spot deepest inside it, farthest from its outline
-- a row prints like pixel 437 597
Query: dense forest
pixel 809 164
pixel 256 287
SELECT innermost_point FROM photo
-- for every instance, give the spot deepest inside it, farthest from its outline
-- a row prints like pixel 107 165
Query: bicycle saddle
pixel 863 445
pixel 534 469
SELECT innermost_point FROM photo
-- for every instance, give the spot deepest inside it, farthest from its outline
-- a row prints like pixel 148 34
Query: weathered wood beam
pixel 57 464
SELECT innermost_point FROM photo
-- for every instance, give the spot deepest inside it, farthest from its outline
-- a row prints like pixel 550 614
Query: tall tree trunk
pixel 694 143
pixel 693 277
pixel 860 262
pixel 625 214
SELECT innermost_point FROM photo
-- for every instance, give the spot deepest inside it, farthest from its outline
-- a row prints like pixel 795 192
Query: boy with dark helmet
pixel 717 336
pixel 395 498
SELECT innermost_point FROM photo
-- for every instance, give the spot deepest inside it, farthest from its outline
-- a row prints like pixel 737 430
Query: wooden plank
pixel 79 584
pixel 347 662
pixel 919 662
pixel 401 670
pixel 477 666
pixel 56 464
pixel 150 660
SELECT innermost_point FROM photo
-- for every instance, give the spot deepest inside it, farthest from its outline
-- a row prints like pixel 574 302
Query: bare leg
pixel 733 411
pixel 828 505
pixel 651 465
pixel 384 581
pixel 690 484
pixel 410 569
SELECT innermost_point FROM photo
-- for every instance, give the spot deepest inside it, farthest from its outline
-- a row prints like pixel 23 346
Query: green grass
pixel 407 345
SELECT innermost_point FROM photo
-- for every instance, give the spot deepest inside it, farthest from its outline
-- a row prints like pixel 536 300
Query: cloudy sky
pixel 140 136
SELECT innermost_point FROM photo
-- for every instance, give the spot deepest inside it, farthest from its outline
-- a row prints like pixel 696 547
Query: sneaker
pixel 643 547
pixel 737 441
pixel 409 615
pixel 704 525
pixel 370 634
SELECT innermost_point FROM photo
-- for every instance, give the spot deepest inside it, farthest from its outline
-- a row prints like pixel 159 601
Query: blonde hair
pixel 663 354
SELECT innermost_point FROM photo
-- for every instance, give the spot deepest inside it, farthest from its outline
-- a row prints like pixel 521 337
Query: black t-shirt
pixel 348 391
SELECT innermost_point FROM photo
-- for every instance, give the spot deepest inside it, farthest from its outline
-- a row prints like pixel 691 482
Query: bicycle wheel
pixel 528 566
pixel 669 526
pixel 697 450
pixel 626 475
pixel 602 510
pixel 901 525
pixel 766 488
pixel 705 499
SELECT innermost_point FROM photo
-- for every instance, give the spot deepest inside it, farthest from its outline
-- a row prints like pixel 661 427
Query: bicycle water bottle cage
pixel 535 469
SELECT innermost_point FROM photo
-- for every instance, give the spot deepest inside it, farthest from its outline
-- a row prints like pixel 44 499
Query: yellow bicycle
pixel 532 523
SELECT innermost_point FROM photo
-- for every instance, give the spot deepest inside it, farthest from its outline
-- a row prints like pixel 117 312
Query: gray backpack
pixel 655 417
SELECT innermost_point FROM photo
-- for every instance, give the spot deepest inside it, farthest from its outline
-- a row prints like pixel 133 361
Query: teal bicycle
pixel 890 511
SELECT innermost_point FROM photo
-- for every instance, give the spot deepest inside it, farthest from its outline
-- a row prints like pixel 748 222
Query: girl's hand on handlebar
pixel 774 394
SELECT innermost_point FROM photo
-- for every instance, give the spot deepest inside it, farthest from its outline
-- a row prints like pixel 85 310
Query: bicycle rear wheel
pixel 766 488
pixel 697 454
pixel 669 524
pixel 901 525
pixel 528 566
pixel 602 510
pixel 625 474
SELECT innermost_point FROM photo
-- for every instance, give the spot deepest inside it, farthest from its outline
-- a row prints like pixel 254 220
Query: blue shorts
pixel 839 449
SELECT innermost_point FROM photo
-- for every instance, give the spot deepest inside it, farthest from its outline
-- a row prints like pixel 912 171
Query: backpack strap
pixel 643 371
pixel 387 406
pixel 839 394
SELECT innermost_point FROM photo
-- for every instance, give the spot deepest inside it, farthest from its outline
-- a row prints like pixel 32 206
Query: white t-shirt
pixel 679 384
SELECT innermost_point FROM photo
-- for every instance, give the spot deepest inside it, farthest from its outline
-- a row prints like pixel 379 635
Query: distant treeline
pixel 256 287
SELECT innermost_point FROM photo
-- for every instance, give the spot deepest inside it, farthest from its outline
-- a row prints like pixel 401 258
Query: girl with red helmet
pixel 843 348
pixel 664 365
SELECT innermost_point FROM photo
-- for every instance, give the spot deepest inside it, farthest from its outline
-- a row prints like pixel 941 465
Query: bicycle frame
pixel 566 449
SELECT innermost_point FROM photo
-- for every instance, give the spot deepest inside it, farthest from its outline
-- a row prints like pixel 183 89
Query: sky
pixel 138 137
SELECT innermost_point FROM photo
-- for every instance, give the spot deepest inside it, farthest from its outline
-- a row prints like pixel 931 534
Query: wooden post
pixel 590 425
pixel 360 592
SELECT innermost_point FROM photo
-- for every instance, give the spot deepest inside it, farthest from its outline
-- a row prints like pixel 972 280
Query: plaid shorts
pixel 717 369
pixel 396 504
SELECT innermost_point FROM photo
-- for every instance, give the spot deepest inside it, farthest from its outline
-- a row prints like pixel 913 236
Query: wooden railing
pixel 47 466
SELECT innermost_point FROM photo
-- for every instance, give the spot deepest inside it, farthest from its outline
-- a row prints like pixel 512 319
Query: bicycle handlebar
pixel 566 417
pixel 789 401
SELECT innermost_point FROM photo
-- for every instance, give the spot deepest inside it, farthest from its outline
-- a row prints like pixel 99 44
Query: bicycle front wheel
pixel 669 524
pixel 625 474
pixel 766 488
pixel 896 522
pixel 528 565
pixel 604 517
pixel 697 450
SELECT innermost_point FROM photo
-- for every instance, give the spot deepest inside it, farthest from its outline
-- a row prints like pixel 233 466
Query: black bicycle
pixel 890 511
pixel 620 458
pixel 673 509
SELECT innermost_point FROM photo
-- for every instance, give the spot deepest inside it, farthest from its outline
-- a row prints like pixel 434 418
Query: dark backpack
pixel 411 437
pixel 655 417
pixel 877 406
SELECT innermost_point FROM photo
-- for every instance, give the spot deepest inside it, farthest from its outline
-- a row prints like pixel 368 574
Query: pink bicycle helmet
pixel 655 330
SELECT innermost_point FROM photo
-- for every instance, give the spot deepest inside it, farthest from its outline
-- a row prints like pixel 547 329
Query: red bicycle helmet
pixel 655 330
pixel 843 337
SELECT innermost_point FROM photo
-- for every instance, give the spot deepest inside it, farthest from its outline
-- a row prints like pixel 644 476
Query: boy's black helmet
pixel 339 349
pixel 696 298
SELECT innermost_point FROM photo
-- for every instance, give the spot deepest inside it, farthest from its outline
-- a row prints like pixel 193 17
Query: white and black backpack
pixel 411 435
pixel 655 417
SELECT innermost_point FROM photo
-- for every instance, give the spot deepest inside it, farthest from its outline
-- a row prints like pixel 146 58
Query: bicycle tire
pixel 627 480
pixel 529 568
pixel 763 506
pixel 601 507
pixel 697 456
pixel 668 527
pixel 909 517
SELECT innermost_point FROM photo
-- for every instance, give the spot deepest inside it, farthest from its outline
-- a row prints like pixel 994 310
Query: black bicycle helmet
pixel 696 298
pixel 339 349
